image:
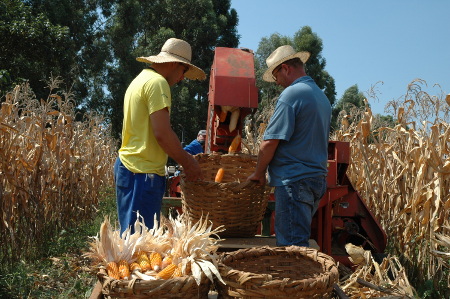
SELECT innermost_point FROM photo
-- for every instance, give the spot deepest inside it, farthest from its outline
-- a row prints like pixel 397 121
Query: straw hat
pixel 280 55
pixel 176 50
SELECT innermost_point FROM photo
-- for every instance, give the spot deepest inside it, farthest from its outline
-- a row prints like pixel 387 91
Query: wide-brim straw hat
pixel 280 55
pixel 176 50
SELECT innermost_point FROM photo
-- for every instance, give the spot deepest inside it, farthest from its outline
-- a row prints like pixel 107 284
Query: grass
pixel 60 271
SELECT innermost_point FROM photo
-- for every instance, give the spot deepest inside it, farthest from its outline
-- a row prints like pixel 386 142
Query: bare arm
pixel 266 151
pixel 170 143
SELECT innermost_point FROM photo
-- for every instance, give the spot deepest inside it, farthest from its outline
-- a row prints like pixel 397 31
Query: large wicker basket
pixel 180 287
pixel 277 272
pixel 237 204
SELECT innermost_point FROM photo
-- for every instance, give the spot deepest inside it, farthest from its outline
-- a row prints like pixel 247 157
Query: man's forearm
pixel 266 153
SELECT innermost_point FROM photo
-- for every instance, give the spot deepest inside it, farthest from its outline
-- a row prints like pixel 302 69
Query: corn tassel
pixel 144 262
pixel 234 144
pixel 167 272
pixel 155 261
pixel 113 270
pixel 124 270
pixel 219 175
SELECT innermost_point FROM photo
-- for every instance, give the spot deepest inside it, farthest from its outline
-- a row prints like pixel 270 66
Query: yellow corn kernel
pixel 113 270
pixel 155 261
pixel 135 266
pixel 144 262
pixel 167 272
pixel 235 144
pixel 124 270
pixel 219 175
pixel 177 272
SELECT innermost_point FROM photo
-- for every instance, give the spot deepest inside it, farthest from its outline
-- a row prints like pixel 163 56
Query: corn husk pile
pixel 373 280
pixel 174 247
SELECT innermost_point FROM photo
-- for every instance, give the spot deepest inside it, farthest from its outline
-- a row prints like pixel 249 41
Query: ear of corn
pixel 124 270
pixel 178 272
pixel 235 144
pixel 143 261
pixel 219 175
pixel 234 119
pixel 113 270
pixel 167 272
pixel 167 260
pixel 135 266
pixel 222 116
pixel 155 261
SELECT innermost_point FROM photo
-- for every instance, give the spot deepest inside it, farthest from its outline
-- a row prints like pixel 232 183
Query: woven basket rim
pixel 249 252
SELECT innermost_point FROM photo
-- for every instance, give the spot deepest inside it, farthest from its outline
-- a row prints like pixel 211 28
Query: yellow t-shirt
pixel 140 152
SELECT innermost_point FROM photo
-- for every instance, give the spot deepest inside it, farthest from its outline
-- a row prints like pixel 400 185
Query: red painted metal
pixel 232 83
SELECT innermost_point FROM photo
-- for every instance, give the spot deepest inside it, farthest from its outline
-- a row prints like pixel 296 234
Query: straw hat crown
pixel 280 55
pixel 176 50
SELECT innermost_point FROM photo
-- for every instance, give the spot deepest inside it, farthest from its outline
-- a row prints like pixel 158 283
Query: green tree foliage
pixel 351 98
pixel 141 28
pixel 303 40
pixel 32 48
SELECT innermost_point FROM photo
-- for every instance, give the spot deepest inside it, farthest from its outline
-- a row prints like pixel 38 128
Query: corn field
pixel 402 173
pixel 51 168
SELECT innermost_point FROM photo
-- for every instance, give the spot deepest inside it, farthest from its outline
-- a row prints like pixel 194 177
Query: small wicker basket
pixel 277 272
pixel 181 287
pixel 237 204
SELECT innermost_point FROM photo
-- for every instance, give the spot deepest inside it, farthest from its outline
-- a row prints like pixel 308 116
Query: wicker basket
pixel 236 203
pixel 180 287
pixel 277 272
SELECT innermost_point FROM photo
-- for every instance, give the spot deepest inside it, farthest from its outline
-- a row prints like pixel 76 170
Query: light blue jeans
pixel 137 192
pixel 295 205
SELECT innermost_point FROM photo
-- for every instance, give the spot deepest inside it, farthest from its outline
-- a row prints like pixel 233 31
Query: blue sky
pixel 364 42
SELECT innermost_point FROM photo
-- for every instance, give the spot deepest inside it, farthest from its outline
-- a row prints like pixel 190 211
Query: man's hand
pixel 193 171
pixel 260 179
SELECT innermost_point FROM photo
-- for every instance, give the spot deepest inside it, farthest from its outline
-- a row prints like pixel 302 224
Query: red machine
pixel 232 91
pixel 342 216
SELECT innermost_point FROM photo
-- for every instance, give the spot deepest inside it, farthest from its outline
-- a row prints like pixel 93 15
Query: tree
pixel 352 97
pixel 141 28
pixel 303 40
pixel 32 48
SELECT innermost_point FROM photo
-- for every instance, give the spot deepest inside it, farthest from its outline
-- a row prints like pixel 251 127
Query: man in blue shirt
pixel 294 149
pixel 196 146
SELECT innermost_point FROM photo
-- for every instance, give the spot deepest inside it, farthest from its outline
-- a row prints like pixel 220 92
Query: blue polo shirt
pixel 194 147
pixel 301 121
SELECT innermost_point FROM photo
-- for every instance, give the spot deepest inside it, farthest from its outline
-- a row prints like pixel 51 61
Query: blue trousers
pixel 295 205
pixel 137 192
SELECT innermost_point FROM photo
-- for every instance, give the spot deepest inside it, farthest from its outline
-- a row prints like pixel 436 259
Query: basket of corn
pixel 174 259
pixel 277 272
pixel 225 195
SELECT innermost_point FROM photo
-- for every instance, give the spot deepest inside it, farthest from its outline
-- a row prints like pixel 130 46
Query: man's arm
pixel 170 143
pixel 266 151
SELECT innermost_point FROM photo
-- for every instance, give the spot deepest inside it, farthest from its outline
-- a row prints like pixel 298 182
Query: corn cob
pixel 143 261
pixel 222 116
pixel 124 270
pixel 234 120
pixel 113 270
pixel 219 175
pixel 167 260
pixel 167 272
pixel 155 261
pixel 234 144
pixel 135 266
pixel 178 272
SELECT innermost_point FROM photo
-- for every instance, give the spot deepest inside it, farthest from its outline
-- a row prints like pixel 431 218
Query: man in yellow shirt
pixel 147 135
